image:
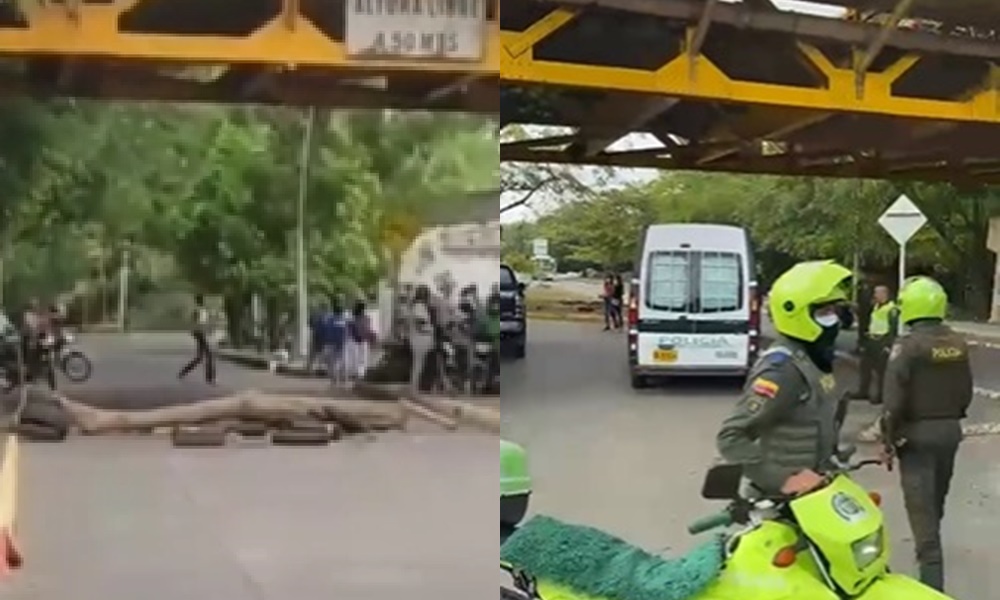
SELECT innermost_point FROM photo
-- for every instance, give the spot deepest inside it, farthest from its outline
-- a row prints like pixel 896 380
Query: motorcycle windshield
pixel 847 527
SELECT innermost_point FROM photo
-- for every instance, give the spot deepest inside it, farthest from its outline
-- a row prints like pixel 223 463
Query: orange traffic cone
pixel 10 556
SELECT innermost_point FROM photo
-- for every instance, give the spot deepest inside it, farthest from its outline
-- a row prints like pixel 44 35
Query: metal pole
pixel 902 280
pixel 123 290
pixel 302 274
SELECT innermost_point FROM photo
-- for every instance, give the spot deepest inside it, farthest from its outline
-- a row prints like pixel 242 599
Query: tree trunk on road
pixel 351 416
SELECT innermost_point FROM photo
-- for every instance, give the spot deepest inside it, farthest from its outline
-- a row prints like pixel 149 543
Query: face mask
pixel 827 321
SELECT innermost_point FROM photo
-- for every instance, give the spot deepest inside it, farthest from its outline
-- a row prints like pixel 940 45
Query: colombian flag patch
pixel 764 387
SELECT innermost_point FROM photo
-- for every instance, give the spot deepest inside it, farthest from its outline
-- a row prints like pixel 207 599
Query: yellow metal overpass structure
pixel 905 89
pixel 406 54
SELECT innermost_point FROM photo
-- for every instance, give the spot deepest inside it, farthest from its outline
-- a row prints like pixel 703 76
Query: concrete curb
pixel 566 318
pixel 261 363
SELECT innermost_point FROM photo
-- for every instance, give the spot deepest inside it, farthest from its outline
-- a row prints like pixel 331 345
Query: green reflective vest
pixel 881 321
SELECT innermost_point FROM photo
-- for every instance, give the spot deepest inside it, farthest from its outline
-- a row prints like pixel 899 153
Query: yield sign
pixel 902 220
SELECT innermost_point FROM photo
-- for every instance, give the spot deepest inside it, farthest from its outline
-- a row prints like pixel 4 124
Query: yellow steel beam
pixel 285 40
pixel 539 30
pixel 696 36
pixel 706 81
pixel 864 61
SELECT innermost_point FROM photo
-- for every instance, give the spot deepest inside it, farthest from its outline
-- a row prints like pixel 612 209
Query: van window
pixel 669 281
pixel 507 280
pixel 695 282
pixel 720 287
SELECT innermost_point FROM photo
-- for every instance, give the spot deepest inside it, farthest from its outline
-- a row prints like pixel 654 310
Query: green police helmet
pixel 799 290
pixel 922 298
pixel 515 480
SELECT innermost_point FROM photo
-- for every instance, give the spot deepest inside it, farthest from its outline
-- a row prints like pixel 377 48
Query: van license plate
pixel 665 356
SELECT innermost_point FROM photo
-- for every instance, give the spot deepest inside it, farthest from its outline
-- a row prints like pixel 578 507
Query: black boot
pixel 932 575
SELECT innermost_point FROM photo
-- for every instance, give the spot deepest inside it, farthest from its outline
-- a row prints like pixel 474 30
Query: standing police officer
pixel 785 427
pixel 878 339
pixel 928 389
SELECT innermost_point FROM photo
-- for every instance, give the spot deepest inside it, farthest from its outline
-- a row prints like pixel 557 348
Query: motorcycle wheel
pixel 76 366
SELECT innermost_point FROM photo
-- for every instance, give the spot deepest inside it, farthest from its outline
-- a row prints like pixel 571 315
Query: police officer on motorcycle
pixel 928 390
pixel 785 426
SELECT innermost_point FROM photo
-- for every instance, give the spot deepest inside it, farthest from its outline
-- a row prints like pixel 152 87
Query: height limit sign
pixel 902 221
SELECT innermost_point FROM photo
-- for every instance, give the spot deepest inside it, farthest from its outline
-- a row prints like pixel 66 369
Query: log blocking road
pixel 406 516
pixel 632 462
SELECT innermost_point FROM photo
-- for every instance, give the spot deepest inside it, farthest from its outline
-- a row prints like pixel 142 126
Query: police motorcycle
pixel 829 544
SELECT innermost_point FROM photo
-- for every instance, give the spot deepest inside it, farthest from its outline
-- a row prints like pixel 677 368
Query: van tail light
pixel 632 316
pixel 754 322
pixel 876 498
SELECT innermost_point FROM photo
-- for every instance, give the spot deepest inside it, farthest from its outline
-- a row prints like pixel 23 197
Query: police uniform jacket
pixel 929 378
pixel 786 421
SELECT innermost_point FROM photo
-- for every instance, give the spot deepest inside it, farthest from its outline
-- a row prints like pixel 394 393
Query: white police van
pixel 694 306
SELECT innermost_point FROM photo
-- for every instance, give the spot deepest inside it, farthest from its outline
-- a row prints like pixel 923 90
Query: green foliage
pixel 206 197
pixel 790 219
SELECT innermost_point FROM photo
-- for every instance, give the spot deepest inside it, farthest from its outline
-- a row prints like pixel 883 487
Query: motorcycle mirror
pixel 722 482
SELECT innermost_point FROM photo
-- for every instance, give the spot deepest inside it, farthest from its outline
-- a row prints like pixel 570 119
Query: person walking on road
pixel 883 325
pixel 201 326
pixel 928 391
pixel 785 427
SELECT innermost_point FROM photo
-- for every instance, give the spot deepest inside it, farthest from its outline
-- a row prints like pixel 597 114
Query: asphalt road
pixel 633 462
pixel 406 516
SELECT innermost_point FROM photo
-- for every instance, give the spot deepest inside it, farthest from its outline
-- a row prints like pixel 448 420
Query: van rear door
pixel 694 311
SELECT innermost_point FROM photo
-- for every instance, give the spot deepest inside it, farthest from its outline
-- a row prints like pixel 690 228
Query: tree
pixel 523 184
pixel 792 219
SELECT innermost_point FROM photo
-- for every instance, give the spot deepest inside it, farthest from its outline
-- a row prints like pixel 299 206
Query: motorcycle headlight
pixel 868 550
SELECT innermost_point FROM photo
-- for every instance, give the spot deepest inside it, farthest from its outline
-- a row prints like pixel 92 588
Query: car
pixel 513 320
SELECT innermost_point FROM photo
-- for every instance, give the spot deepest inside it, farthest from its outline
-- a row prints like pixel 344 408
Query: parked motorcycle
pixel 829 544
pixel 73 363
pixel 55 354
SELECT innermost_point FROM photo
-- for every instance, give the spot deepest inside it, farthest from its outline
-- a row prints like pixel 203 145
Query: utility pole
pixel 125 271
pixel 302 273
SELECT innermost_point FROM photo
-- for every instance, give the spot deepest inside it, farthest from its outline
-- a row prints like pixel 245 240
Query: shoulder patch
pixel 765 388
pixel 778 356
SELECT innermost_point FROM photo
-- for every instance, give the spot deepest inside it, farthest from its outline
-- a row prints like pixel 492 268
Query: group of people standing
pixel 343 339
pixel 786 425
